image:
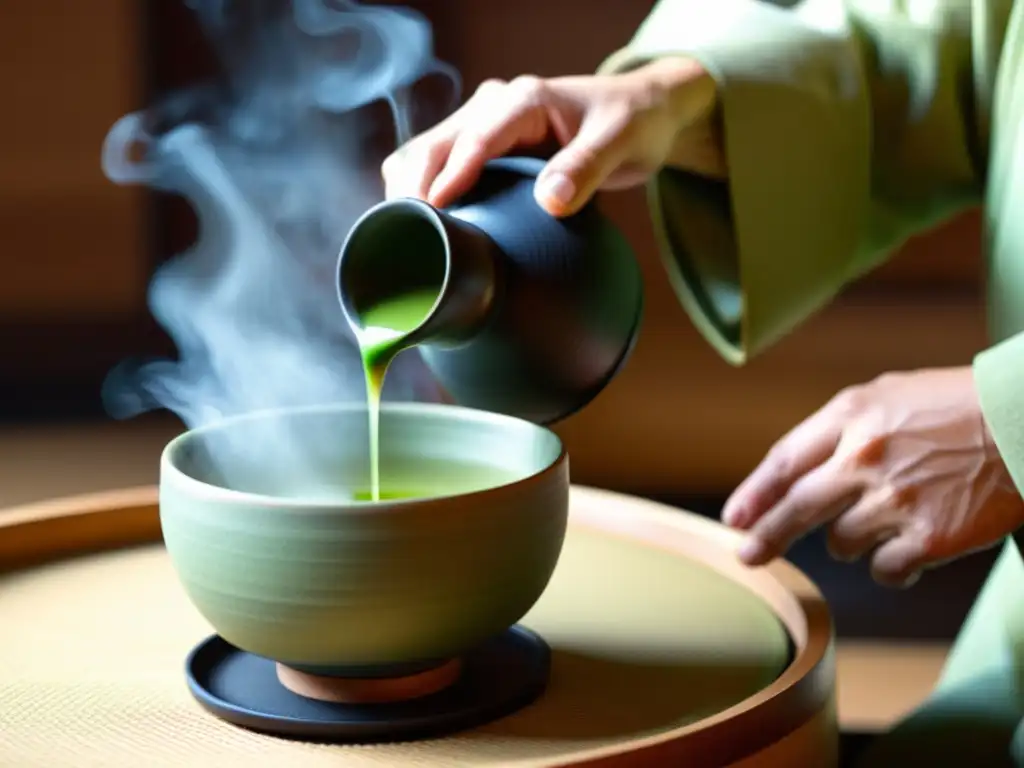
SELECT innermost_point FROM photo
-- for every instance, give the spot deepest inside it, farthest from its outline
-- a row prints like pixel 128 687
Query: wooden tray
pixel 650 617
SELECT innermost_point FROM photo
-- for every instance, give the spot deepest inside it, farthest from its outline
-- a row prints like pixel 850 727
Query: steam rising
pixel 277 158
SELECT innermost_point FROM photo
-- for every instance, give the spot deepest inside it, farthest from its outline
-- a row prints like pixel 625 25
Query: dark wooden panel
pixel 73 243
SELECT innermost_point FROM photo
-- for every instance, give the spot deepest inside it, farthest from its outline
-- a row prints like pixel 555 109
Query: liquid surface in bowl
pixel 387 494
pixel 426 478
pixel 400 478
pixel 384 332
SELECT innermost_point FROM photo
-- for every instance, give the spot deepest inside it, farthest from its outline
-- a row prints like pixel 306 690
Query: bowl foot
pixel 492 681
pixel 350 690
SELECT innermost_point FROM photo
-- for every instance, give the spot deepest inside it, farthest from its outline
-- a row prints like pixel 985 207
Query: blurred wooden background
pixel 71 240
pixel 79 249
pixel 75 248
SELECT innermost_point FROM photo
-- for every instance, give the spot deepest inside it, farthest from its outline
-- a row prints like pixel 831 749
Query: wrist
pixel 691 96
pixel 988 441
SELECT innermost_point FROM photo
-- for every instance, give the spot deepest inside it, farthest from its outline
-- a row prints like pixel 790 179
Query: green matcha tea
pixel 423 478
pixel 387 495
pixel 401 476
pixel 386 327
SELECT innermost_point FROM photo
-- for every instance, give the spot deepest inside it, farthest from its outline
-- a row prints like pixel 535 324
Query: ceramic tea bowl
pixel 278 553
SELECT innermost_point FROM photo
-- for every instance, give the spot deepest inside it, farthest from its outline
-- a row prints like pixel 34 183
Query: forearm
pixel 840 138
pixel 692 97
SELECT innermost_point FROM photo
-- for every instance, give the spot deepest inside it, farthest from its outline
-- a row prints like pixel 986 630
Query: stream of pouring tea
pixel 278 153
pixel 383 334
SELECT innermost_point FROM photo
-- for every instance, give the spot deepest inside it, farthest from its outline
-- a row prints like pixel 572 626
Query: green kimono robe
pixel 849 126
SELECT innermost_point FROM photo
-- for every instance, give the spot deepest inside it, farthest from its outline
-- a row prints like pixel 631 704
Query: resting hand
pixel 613 130
pixel 903 467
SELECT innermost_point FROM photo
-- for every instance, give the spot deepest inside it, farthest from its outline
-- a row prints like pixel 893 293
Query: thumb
pixel 573 176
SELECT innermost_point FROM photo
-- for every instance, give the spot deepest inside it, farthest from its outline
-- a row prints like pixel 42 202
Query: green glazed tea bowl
pixel 262 520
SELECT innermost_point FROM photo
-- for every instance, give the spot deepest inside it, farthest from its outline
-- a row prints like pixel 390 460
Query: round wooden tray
pixel 650 617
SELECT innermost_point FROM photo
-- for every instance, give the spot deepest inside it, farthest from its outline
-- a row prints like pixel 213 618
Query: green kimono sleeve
pixel 845 132
pixel 999 371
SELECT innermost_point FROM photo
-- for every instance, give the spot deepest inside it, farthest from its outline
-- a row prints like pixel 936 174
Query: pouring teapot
pixel 533 315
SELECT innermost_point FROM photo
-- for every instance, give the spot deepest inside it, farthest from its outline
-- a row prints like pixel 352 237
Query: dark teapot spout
pixel 405 246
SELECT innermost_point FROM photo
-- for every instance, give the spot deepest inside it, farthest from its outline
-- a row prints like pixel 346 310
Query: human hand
pixel 903 465
pixel 614 131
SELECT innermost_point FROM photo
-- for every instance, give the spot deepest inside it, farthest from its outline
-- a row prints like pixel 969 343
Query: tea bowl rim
pixel 170 472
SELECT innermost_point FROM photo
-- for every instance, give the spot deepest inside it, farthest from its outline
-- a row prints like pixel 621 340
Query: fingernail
pixel 752 551
pixel 910 580
pixel 554 190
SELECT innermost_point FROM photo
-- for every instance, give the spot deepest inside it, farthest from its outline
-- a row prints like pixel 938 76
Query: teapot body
pixel 535 315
